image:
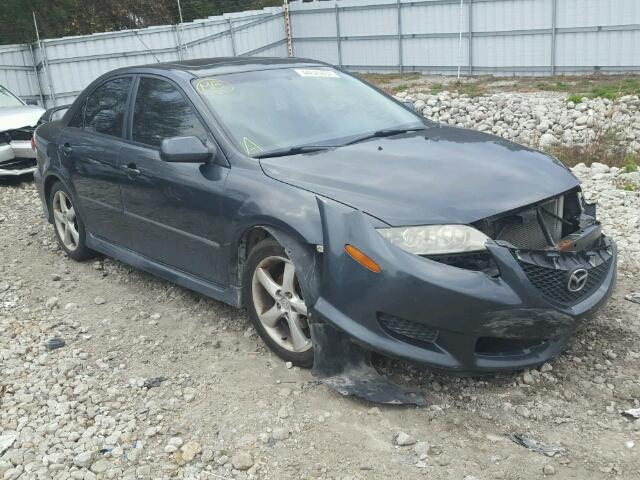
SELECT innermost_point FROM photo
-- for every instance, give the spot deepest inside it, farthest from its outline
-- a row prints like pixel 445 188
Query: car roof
pixel 204 67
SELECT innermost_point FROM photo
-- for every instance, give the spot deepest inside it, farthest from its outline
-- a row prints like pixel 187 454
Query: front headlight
pixel 436 239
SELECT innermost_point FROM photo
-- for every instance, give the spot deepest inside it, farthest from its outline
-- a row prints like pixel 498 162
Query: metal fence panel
pixel 587 13
pixel 503 15
pixel 572 54
pixel 17 72
pixel 436 18
pixel 530 37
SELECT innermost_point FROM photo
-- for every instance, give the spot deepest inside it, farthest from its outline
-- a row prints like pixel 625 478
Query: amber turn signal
pixel 362 259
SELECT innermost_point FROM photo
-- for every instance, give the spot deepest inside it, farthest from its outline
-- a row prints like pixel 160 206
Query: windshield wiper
pixel 314 148
pixel 388 132
pixel 296 150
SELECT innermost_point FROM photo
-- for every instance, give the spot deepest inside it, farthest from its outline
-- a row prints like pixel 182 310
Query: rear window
pixel 105 107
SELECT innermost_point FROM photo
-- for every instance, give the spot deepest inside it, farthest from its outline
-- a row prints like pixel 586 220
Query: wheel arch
pixel 49 181
pixel 303 254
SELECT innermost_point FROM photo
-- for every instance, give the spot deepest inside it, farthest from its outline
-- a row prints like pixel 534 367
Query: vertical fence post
pixel 460 37
pixel 35 70
pixel 338 34
pixel 287 27
pixel 45 67
pixel 232 37
pixel 554 22
pixel 400 53
pixel 178 34
pixel 470 46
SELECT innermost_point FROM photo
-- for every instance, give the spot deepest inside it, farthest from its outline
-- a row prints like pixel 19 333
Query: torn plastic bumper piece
pixel 346 368
pixel 338 362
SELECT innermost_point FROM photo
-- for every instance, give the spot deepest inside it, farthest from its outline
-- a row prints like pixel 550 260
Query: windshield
pixel 271 110
pixel 7 99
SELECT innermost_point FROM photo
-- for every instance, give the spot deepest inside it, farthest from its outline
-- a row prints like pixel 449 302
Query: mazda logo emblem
pixel 577 280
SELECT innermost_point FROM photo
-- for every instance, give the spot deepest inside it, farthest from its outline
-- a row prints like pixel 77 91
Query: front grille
pixel 20 133
pixel 18 163
pixel 552 282
pixel 407 330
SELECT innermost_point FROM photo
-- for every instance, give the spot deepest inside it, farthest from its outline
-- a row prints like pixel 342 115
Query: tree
pixel 57 18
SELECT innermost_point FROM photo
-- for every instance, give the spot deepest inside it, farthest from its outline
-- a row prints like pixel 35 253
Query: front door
pixel 172 209
pixel 89 147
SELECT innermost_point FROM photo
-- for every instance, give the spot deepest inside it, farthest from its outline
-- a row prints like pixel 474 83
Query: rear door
pixel 172 209
pixel 89 148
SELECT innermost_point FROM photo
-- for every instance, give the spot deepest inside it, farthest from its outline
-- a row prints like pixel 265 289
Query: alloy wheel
pixel 279 304
pixel 64 216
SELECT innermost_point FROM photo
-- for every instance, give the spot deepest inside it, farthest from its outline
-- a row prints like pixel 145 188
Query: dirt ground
pixel 141 327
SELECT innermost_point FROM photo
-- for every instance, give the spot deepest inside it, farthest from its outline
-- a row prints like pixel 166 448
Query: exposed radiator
pixel 528 234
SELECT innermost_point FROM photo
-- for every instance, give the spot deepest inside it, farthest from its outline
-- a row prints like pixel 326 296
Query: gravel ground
pixel 155 381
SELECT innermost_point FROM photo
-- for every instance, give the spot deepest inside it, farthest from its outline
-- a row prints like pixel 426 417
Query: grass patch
pixel 630 187
pixel 630 164
pixel 575 98
pixel 556 86
pixel 604 148
pixel 436 88
pixel 610 89
pixel 471 89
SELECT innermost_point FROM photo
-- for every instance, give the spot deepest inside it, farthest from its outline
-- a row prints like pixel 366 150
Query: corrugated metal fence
pixel 536 37
pixel 531 37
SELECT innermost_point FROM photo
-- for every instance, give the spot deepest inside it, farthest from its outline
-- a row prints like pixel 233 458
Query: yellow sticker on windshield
pixel 214 86
pixel 251 147
pixel 316 73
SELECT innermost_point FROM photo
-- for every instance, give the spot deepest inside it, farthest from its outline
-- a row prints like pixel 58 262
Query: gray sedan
pixel 336 215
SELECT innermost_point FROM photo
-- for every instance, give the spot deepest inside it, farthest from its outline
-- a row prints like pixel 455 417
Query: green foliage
pixel 612 90
pixel 553 86
pixel 630 163
pixel 630 187
pixel 436 88
pixel 58 18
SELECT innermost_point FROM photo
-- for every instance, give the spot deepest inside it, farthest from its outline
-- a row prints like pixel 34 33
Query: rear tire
pixel 67 224
pixel 275 304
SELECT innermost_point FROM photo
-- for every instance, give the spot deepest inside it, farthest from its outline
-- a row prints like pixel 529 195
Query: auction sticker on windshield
pixel 311 72
pixel 214 86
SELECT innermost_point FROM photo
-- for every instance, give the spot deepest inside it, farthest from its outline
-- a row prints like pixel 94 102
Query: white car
pixel 17 123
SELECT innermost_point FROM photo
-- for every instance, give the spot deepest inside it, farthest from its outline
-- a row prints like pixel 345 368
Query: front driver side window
pixel 105 107
pixel 161 111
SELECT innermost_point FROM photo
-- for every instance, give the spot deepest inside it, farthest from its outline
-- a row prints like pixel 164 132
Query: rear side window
pixel 105 108
pixel 161 111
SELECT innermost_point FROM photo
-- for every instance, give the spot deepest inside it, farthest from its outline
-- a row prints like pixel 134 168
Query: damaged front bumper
pixel 453 318
pixel 17 158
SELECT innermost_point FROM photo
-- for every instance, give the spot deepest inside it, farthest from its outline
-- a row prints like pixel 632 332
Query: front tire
pixel 275 303
pixel 67 224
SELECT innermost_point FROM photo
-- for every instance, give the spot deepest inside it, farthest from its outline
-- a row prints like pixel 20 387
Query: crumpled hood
pixel 19 117
pixel 440 175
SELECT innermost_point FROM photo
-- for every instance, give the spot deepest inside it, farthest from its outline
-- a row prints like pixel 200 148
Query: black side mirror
pixel 410 105
pixel 53 114
pixel 186 150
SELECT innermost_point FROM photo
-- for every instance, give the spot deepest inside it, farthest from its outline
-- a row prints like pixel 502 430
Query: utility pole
pixel 287 27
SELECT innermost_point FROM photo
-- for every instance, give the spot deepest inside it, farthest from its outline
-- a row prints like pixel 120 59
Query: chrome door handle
pixel 131 169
